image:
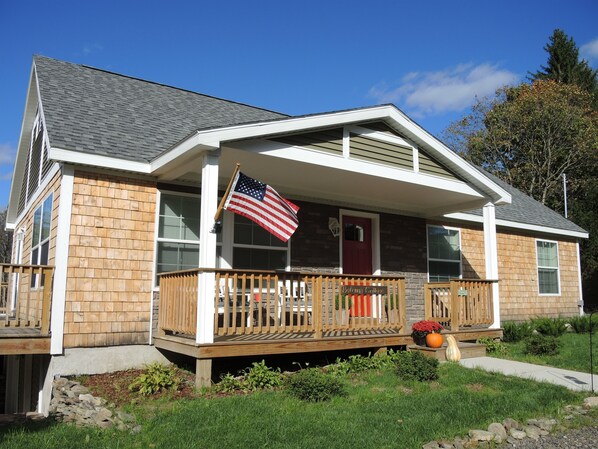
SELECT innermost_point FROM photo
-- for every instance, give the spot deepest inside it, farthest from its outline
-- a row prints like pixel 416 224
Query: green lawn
pixel 379 412
pixel 574 353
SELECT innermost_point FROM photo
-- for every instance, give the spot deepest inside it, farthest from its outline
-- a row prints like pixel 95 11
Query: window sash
pixel 444 253
pixel 547 260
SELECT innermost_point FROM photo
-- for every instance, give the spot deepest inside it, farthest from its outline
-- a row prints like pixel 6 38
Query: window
pixel 548 267
pixel 255 248
pixel 444 254
pixel 178 233
pixel 40 241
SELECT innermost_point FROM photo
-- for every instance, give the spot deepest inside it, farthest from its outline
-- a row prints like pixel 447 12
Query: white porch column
pixel 207 248
pixel 491 257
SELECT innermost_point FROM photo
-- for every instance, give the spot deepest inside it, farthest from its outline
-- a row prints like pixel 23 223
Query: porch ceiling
pixel 311 176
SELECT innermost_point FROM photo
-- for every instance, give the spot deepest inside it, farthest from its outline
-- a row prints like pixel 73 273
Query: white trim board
pixel 61 259
pixel 516 225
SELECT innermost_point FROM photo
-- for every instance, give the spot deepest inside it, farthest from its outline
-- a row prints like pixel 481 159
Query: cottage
pixel 117 259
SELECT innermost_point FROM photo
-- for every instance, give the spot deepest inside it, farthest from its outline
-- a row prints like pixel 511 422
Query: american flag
pixel 262 204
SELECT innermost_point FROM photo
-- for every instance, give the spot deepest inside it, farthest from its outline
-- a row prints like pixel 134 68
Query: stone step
pixel 468 350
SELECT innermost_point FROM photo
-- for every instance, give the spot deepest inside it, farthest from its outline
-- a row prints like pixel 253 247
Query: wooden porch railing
pixel 459 303
pixel 259 302
pixel 26 296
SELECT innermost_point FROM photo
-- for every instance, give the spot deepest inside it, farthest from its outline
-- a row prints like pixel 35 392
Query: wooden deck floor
pixel 269 344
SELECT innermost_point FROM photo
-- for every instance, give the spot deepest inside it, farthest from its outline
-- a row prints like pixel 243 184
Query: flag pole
pixel 225 196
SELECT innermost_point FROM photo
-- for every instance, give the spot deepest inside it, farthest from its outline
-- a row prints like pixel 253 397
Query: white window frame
pixel 159 239
pixel 234 245
pixel 170 240
pixel 450 228
pixel 558 268
pixel 35 282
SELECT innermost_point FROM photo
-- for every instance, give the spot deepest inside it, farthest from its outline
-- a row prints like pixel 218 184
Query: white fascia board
pixel 77 157
pixel 299 154
pixel 213 138
pixel 19 169
pixel 450 158
pixel 516 225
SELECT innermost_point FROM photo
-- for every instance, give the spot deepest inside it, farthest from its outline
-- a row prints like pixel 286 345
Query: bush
pixel 416 366
pixel 554 327
pixel 513 332
pixel 157 377
pixel 493 346
pixel 581 324
pixel 314 385
pixel 259 377
pixel 539 344
pixel 229 384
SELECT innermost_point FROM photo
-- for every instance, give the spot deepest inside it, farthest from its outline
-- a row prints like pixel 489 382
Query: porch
pixel 25 302
pixel 252 313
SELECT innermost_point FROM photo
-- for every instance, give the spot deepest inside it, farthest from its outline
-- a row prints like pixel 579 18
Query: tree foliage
pixel 530 135
pixel 5 239
pixel 564 65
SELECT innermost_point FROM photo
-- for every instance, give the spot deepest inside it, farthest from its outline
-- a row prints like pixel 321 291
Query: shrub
pixel 554 327
pixel 513 332
pixel 493 346
pixel 581 324
pixel 229 384
pixel 259 376
pixel 314 385
pixel 156 378
pixel 539 344
pixel 416 366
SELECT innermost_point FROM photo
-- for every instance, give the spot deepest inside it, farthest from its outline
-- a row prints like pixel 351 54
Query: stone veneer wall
pixel 518 273
pixel 111 251
pixel 402 249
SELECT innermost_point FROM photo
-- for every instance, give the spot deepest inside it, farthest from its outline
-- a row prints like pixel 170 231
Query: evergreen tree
pixel 565 67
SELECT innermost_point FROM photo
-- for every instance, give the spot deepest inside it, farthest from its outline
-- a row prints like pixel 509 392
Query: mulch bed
pixel 114 387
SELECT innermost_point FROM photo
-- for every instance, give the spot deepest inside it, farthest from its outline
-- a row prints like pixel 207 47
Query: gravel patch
pixel 582 438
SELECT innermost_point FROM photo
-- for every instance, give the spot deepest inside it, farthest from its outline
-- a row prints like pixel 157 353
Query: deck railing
pixel 26 296
pixel 260 302
pixel 459 303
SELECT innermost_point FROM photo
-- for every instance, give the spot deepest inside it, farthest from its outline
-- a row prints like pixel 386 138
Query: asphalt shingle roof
pixel 104 113
pixel 524 209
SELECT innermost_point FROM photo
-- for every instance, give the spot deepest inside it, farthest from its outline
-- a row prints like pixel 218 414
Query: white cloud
pixel 589 51
pixel 453 89
pixel 7 154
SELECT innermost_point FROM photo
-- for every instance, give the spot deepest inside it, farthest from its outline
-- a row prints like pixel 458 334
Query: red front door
pixel 357 257
pixel 357 245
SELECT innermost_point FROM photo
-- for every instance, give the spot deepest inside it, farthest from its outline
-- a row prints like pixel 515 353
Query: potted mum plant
pixel 421 329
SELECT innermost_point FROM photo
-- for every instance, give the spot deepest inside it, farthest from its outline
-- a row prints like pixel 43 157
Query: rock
pixel 590 402
pixel 532 432
pixel 431 445
pixel 459 443
pixel 105 424
pixel 79 389
pixel 103 414
pixel 481 435
pixel 60 382
pixel 510 423
pixel 34 416
pixel 135 430
pixel 500 434
pixel 543 423
pixel 517 434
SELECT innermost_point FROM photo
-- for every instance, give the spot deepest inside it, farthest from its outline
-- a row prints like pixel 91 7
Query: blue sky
pixel 429 58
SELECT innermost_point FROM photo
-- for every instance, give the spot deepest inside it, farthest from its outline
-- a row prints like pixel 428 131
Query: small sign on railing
pixel 364 290
pixel 462 292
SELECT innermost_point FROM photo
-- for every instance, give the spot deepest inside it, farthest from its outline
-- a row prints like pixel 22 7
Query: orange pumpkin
pixel 434 340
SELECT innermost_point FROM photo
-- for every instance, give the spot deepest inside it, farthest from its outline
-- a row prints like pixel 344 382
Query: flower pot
pixel 419 340
pixel 434 340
